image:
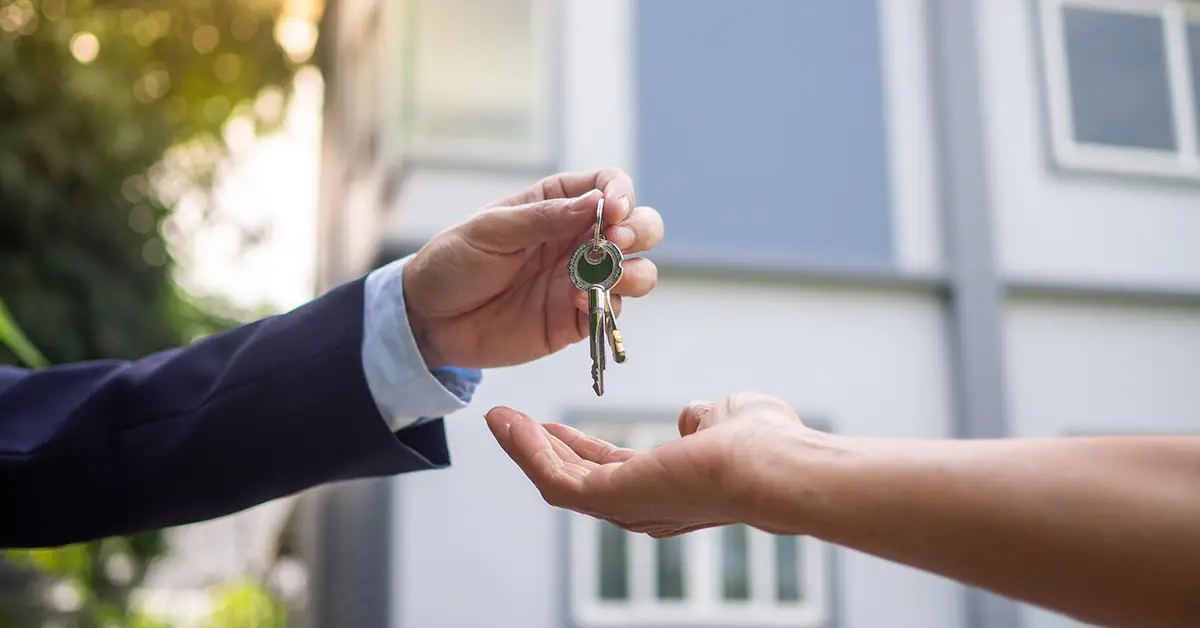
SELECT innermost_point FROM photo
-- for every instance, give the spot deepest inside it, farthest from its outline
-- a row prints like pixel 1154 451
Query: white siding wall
pixel 1052 225
pixel 1089 368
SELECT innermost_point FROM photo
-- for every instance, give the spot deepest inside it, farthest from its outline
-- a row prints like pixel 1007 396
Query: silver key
pixel 595 268
pixel 597 322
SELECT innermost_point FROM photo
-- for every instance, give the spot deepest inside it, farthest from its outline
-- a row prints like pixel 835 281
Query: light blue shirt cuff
pixel 404 389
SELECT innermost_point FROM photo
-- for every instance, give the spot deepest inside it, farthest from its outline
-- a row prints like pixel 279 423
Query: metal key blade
pixel 614 335
pixel 597 332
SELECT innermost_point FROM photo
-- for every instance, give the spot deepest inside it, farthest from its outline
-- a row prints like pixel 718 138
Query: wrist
pixel 789 489
pixel 424 329
pixel 423 333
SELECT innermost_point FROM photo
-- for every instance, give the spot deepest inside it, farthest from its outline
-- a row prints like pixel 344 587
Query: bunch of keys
pixel 595 267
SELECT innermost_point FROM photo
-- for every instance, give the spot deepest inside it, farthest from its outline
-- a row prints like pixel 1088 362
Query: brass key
pixel 614 335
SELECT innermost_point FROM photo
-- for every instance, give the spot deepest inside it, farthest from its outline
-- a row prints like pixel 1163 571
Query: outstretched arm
pixel 345 387
pixel 1104 529
pixel 103 448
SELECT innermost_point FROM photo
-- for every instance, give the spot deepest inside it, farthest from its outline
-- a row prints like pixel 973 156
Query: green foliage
pixel 248 605
pixel 112 114
pixel 12 337
pixel 86 194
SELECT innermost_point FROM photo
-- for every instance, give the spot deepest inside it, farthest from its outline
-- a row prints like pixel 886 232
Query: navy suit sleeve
pixel 259 412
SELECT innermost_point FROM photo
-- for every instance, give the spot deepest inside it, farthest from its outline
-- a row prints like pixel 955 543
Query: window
pixel 1123 80
pixel 731 576
pixel 475 79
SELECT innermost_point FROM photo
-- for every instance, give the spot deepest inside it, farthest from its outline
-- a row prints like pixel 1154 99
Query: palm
pixel 653 492
pixel 698 481
pixel 678 471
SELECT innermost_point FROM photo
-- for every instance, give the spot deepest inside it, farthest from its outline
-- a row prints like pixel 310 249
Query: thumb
pixel 510 229
pixel 692 415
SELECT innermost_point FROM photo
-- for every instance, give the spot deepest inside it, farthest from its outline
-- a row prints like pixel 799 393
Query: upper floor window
pixel 1124 84
pixel 729 576
pixel 475 77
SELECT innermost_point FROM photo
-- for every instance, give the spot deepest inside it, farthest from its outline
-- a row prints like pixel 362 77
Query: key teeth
pixel 597 384
pixel 618 346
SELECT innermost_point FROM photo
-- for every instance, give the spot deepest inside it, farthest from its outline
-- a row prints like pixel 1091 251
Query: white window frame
pixel 704 604
pixel 1072 154
pixel 395 145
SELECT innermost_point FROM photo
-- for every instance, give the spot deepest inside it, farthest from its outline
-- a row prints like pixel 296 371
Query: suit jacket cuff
pixel 405 391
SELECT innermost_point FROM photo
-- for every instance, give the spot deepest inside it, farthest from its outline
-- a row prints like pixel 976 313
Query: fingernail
pixel 622 203
pixel 624 236
pixel 506 423
pixel 581 203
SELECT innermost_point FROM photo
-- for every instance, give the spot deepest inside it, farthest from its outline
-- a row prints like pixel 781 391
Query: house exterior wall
pixel 1068 224
pixel 848 307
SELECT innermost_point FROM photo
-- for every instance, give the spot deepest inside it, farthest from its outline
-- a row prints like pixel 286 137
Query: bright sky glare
pixel 274 182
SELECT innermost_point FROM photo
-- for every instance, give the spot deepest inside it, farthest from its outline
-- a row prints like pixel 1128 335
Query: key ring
pixel 597 238
pixel 599 223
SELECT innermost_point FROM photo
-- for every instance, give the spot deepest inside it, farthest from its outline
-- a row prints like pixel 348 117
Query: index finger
pixel 528 444
pixel 614 183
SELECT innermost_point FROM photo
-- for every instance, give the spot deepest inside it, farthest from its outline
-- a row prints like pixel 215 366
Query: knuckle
pixel 551 187
pixel 542 211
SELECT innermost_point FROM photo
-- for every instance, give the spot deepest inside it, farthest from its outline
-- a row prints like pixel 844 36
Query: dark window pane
pixel 1194 47
pixel 670 568
pixel 788 584
pixel 735 562
pixel 614 576
pixel 1120 94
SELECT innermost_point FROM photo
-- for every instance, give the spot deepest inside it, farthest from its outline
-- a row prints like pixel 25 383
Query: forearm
pixel 1107 529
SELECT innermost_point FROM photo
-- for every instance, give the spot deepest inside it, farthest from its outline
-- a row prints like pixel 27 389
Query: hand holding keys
pixel 595 268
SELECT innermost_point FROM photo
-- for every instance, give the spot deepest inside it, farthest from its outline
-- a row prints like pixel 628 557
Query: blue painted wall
pixel 761 132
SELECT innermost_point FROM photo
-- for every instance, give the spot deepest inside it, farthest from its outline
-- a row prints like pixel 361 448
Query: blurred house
pixel 926 218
